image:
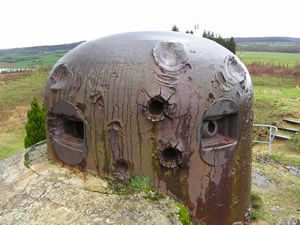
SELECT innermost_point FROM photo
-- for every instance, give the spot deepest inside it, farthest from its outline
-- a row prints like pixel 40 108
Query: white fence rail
pixel 271 135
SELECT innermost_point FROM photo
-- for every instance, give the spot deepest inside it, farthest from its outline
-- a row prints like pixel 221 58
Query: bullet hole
pixel 238 96
pixel 221 78
pixel 170 56
pixel 121 166
pixel 236 72
pixel 162 70
pixel 188 66
pixel 122 170
pixel 114 75
pixel 100 102
pixel 211 96
pixel 116 125
pixel 156 106
pixel 157 109
pixel 170 157
pixel 222 81
pixel 169 154
pixel 97 98
pixel 60 77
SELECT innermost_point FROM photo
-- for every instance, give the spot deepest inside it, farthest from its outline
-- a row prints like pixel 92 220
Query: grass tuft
pixel 184 216
pixel 136 185
pixel 258 211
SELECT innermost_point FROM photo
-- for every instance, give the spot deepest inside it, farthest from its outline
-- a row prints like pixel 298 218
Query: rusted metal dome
pixel 171 106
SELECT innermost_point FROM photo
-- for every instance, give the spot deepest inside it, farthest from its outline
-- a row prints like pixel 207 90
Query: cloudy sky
pixel 26 23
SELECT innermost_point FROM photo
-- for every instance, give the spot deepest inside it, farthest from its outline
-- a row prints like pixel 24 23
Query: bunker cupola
pixel 171 106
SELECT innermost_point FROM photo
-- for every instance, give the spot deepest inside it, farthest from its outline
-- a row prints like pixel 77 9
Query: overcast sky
pixel 26 23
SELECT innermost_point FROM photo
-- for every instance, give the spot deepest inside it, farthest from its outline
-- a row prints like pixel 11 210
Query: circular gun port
pixel 156 105
pixel 170 157
pixel 209 128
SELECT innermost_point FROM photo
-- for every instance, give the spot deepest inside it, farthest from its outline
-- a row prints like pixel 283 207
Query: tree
pixel 35 126
pixel 229 44
pixel 175 28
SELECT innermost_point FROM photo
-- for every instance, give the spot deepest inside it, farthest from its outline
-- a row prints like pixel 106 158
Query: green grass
pixel 184 216
pixel 275 99
pixel 136 185
pixel 294 144
pixel 11 142
pixel 258 210
pixel 34 57
pixel 34 60
pixel 269 44
pixel 20 90
pixel 282 192
pixel 270 58
pixel 292 161
pixel 16 94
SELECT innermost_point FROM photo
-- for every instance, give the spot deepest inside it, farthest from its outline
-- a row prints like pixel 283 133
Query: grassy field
pixel 268 44
pixel 34 60
pixel 34 57
pixel 271 44
pixel 278 197
pixel 270 58
pixel 276 99
pixel 16 93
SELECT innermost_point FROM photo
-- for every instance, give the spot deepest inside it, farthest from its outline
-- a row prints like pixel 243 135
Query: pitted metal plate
pixel 174 107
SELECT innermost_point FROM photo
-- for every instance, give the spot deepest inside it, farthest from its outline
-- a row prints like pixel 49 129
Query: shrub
pixel 35 126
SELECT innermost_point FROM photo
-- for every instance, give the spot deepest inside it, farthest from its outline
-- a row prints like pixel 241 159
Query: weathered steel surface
pixel 173 107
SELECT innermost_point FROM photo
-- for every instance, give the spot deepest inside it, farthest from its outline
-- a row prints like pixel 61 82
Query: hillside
pixel 268 44
pixel 267 39
pixel 34 57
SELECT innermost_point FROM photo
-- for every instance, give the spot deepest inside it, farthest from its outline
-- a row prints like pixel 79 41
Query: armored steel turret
pixel 171 106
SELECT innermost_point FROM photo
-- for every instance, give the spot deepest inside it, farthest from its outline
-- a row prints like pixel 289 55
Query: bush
pixel 35 126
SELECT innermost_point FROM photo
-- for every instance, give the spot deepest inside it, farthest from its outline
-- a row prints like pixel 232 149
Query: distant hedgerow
pixel 35 126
